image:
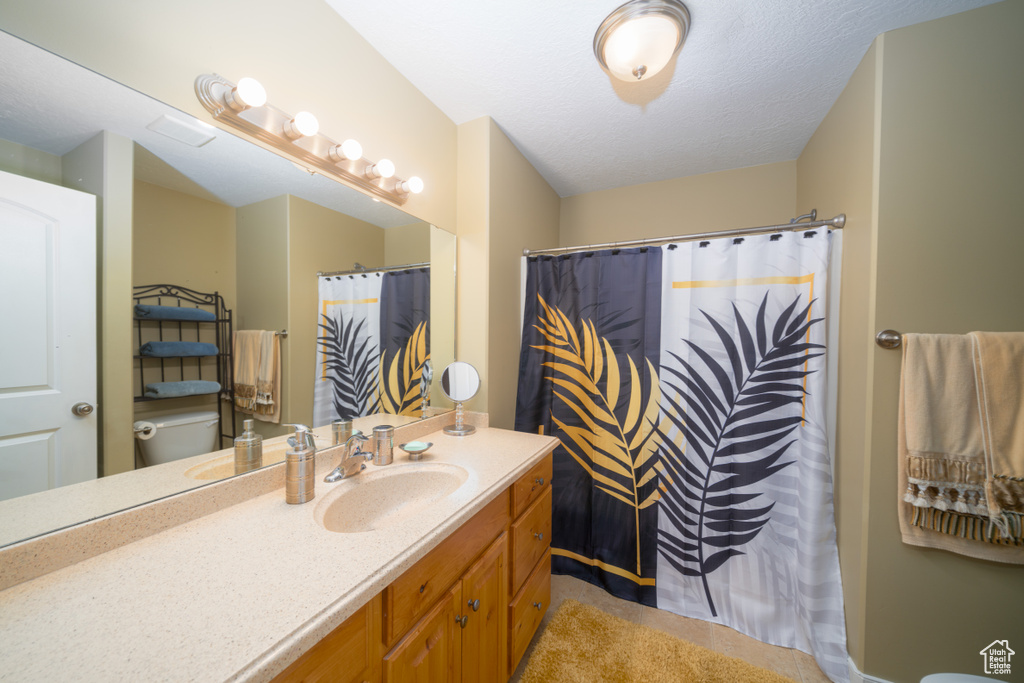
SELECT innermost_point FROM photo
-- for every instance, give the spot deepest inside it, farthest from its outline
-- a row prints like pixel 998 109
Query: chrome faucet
pixel 352 463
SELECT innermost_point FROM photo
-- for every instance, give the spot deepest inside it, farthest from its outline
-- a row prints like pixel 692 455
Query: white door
pixel 47 336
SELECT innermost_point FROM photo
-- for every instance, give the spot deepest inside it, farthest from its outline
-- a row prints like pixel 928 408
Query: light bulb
pixel 413 185
pixel 350 150
pixel 248 93
pixel 303 125
pixel 384 168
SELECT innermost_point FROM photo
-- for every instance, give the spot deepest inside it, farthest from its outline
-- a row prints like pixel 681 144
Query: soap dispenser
pixel 300 461
pixel 248 449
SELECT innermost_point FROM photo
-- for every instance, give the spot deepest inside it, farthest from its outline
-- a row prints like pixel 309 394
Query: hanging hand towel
pixel 942 468
pixel 999 376
pixel 268 379
pixel 258 374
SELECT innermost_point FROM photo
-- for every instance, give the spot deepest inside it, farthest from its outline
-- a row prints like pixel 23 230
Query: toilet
pixel 956 678
pixel 178 436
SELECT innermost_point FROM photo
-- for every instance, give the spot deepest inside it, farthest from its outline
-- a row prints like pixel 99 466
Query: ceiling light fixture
pixel 298 139
pixel 641 37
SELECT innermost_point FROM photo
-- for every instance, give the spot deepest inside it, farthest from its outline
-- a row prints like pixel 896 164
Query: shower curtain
pixel 373 347
pixel 687 386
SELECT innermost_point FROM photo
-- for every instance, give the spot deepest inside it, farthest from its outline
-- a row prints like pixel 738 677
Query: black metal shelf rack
pixel 169 369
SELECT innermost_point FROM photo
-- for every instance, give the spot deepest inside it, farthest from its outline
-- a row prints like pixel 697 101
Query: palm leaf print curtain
pixel 372 344
pixel 717 502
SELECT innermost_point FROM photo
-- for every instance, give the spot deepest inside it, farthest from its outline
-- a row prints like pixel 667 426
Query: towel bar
pixel 889 339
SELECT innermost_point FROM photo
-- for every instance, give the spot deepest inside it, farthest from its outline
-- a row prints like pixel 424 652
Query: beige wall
pixel 182 240
pixel 473 278
pixel 407 244
pixel 949 260
pixel 742 198
pixel 103 166
pixel 318 240
pixel 305 55
pixel 524 214
pixel 848 134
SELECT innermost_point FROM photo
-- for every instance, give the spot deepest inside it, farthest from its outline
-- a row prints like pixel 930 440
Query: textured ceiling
pixel 53 105
pixel 752 83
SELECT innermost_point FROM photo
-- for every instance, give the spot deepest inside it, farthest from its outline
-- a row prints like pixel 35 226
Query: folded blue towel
pixel 176 349
pixel 173 313
pixel 192 387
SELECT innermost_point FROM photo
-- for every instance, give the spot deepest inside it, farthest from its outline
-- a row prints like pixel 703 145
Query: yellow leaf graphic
pixel 617 454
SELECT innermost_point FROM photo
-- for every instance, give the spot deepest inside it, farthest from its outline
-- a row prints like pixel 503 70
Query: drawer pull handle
pixel 461 621
pixel 538 605
pixel 540 481
pixel 475 604
pixel 539 536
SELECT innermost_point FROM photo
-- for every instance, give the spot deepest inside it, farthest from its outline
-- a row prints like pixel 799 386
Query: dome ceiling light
pixel 641 37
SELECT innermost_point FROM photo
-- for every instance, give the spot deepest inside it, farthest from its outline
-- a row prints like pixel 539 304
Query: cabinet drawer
pixel 530 486
pixel 348 654
pixel 524 614
pixel 410 595
pixel 531 536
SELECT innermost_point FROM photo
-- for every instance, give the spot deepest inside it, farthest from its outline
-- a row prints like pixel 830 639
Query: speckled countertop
pixel 239 594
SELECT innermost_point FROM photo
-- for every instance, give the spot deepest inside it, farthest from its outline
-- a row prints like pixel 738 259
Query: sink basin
pixel 374 500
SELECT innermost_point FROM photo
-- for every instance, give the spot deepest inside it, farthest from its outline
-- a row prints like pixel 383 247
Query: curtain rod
pixel 837 223
pixel 385 269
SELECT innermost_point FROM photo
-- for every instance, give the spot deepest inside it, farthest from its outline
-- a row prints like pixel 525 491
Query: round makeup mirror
pixel 460 381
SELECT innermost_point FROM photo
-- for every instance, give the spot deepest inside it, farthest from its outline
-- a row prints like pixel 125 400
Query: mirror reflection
pixel 339 305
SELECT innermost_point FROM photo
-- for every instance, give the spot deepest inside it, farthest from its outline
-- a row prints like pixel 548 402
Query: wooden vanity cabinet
pixel 464 613
pixel 530 571
pixel 349 654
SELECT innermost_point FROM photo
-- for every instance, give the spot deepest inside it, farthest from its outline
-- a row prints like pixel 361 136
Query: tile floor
pixel 792 663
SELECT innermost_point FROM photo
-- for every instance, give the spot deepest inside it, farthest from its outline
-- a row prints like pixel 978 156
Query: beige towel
pixel 999 375
pixel 257 367
pixel 942 456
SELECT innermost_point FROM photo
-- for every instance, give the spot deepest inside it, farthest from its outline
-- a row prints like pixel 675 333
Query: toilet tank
pixel 181 435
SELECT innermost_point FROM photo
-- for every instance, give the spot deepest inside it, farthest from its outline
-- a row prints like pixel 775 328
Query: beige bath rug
pixel 582 644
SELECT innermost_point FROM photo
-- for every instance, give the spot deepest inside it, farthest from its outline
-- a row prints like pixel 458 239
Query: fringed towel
pixel 258 374
pixel 961 451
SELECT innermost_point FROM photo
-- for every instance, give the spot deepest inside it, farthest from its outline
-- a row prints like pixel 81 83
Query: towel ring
pixel 889 339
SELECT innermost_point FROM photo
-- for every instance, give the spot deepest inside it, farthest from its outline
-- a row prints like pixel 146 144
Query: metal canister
pixel 299 475
pixel 383 445
pixel 341 430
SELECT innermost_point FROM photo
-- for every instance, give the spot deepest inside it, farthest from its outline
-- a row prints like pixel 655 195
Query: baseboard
pixel 857 677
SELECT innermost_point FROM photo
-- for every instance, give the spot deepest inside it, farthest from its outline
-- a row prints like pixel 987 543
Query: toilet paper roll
pixel 144 430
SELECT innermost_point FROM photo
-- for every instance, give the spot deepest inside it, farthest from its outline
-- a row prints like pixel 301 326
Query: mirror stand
pixel 459 428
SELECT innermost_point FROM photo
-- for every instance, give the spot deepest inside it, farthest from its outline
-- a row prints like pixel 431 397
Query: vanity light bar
pixel 298 138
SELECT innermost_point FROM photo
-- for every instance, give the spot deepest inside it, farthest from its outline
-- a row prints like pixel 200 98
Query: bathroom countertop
pixel 239 594
pixel 42 512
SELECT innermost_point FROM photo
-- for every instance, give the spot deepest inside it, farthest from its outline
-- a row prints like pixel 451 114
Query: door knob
pixel 475 604
pixel 82 409
pixel 461 620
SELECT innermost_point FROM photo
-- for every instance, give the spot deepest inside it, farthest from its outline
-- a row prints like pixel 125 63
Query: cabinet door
pixel 484 600
pixel 349 654
pixel 432 651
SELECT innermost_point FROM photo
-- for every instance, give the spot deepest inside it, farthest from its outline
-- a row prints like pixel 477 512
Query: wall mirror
pixel 226 216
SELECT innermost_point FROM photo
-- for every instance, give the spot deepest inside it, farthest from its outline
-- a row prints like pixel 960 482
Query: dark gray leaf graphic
pixel 735 419
pixel 351 365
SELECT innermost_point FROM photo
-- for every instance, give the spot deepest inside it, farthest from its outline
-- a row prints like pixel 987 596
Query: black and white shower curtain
pixel 687 386
pixel 373 345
